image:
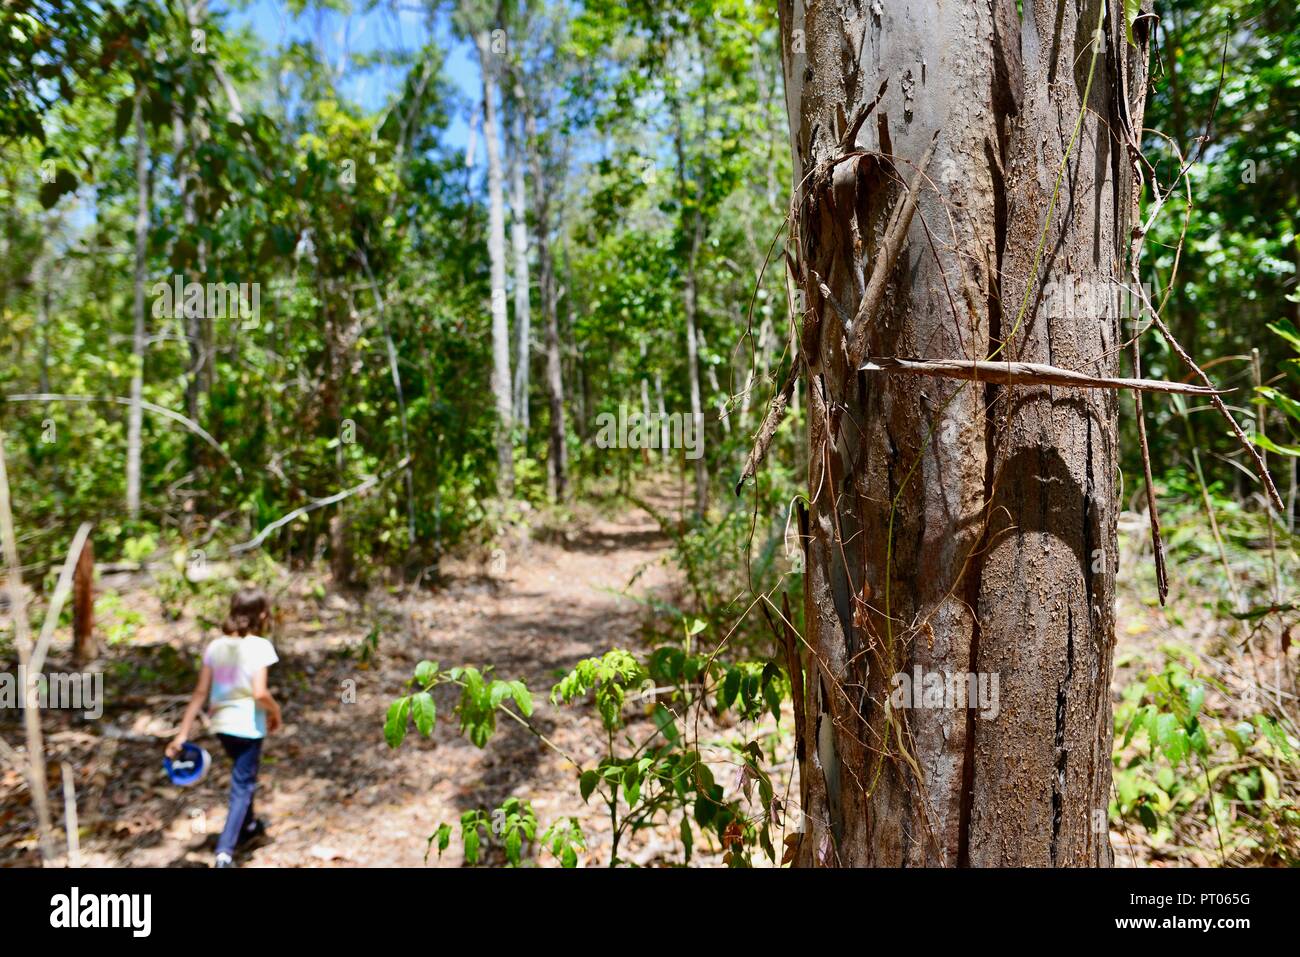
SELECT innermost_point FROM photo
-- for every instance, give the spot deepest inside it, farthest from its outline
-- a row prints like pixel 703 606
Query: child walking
pixel 241 710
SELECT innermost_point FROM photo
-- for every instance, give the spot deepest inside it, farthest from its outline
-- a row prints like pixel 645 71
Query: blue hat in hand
pixel 190 766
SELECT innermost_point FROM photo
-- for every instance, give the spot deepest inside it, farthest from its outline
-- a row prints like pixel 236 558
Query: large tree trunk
pixel 497 256
pixel 135 412
pixel 954 527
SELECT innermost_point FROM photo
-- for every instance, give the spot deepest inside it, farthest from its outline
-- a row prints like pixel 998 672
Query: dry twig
pixel 1026 373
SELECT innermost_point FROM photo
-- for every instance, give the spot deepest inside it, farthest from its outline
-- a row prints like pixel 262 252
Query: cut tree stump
pixel 83 607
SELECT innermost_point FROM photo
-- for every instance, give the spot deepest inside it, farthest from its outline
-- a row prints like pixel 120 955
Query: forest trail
pixel 331 790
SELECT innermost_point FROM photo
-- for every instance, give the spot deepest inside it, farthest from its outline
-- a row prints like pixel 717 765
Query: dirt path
pixel 332 791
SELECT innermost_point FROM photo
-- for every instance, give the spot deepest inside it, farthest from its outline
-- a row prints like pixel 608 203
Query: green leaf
pixel 1287 330
pixel 1240 735
pixel 395 723
pixel 1273 731
pixel 749 691
pixel 772 695
pixel 424 712
pixel 425 672
pixel 1176 745
pixel 587 783
pixel 730 688
pixel 631 783
pixel 703 777
pixel 1199 742
pixel 64 182
pixel 514 840
pixel 1272 790
pixel 524 700
pixel 1126 785
pixel 498 691
pixel 666 723
pixel 1268 445
pixel 442 837
pixel 1132 8
pixel 1148 817
pixel 1282 401
pixel 704 810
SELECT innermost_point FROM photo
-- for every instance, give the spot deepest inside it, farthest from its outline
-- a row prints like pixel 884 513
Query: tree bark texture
pixel 959 527
pixel 501 384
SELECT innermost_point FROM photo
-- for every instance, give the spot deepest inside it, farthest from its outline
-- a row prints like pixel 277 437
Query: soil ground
pixel 331 790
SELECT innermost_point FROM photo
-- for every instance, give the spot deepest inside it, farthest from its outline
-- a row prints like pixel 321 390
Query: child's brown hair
pixel 250 610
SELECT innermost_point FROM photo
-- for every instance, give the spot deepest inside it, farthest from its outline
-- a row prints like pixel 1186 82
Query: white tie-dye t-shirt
pixel 231 707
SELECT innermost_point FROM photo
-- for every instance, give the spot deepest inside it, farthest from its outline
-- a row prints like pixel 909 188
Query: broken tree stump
pixel 83 606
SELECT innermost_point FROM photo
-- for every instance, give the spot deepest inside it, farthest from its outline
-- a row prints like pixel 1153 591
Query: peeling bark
pixel 953 525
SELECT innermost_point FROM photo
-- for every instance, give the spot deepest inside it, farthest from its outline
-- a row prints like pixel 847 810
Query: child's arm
pixel 262 695
pixel 191 711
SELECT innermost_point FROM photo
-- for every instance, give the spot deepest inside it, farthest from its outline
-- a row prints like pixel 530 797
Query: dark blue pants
pixel 245 754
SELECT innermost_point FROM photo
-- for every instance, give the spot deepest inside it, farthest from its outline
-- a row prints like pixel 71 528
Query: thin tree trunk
pixel 558 458
pixel 557 473
pixel 693 370
pixel 193 314
pixel 196 333
pixel 35 770
pixel 44 375
pixel 957 529
pixel 645 400
pixel 663 415
pixel 690 303
pixel 497 256
pixel 714 385
pixel 570 333
pixel 519 241
pixel 756 370
pixel 395 372
pixel 135 413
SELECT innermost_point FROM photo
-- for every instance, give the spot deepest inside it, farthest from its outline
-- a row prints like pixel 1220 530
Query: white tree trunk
pixel 135 412
pixel 519 240
pixel 497 256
